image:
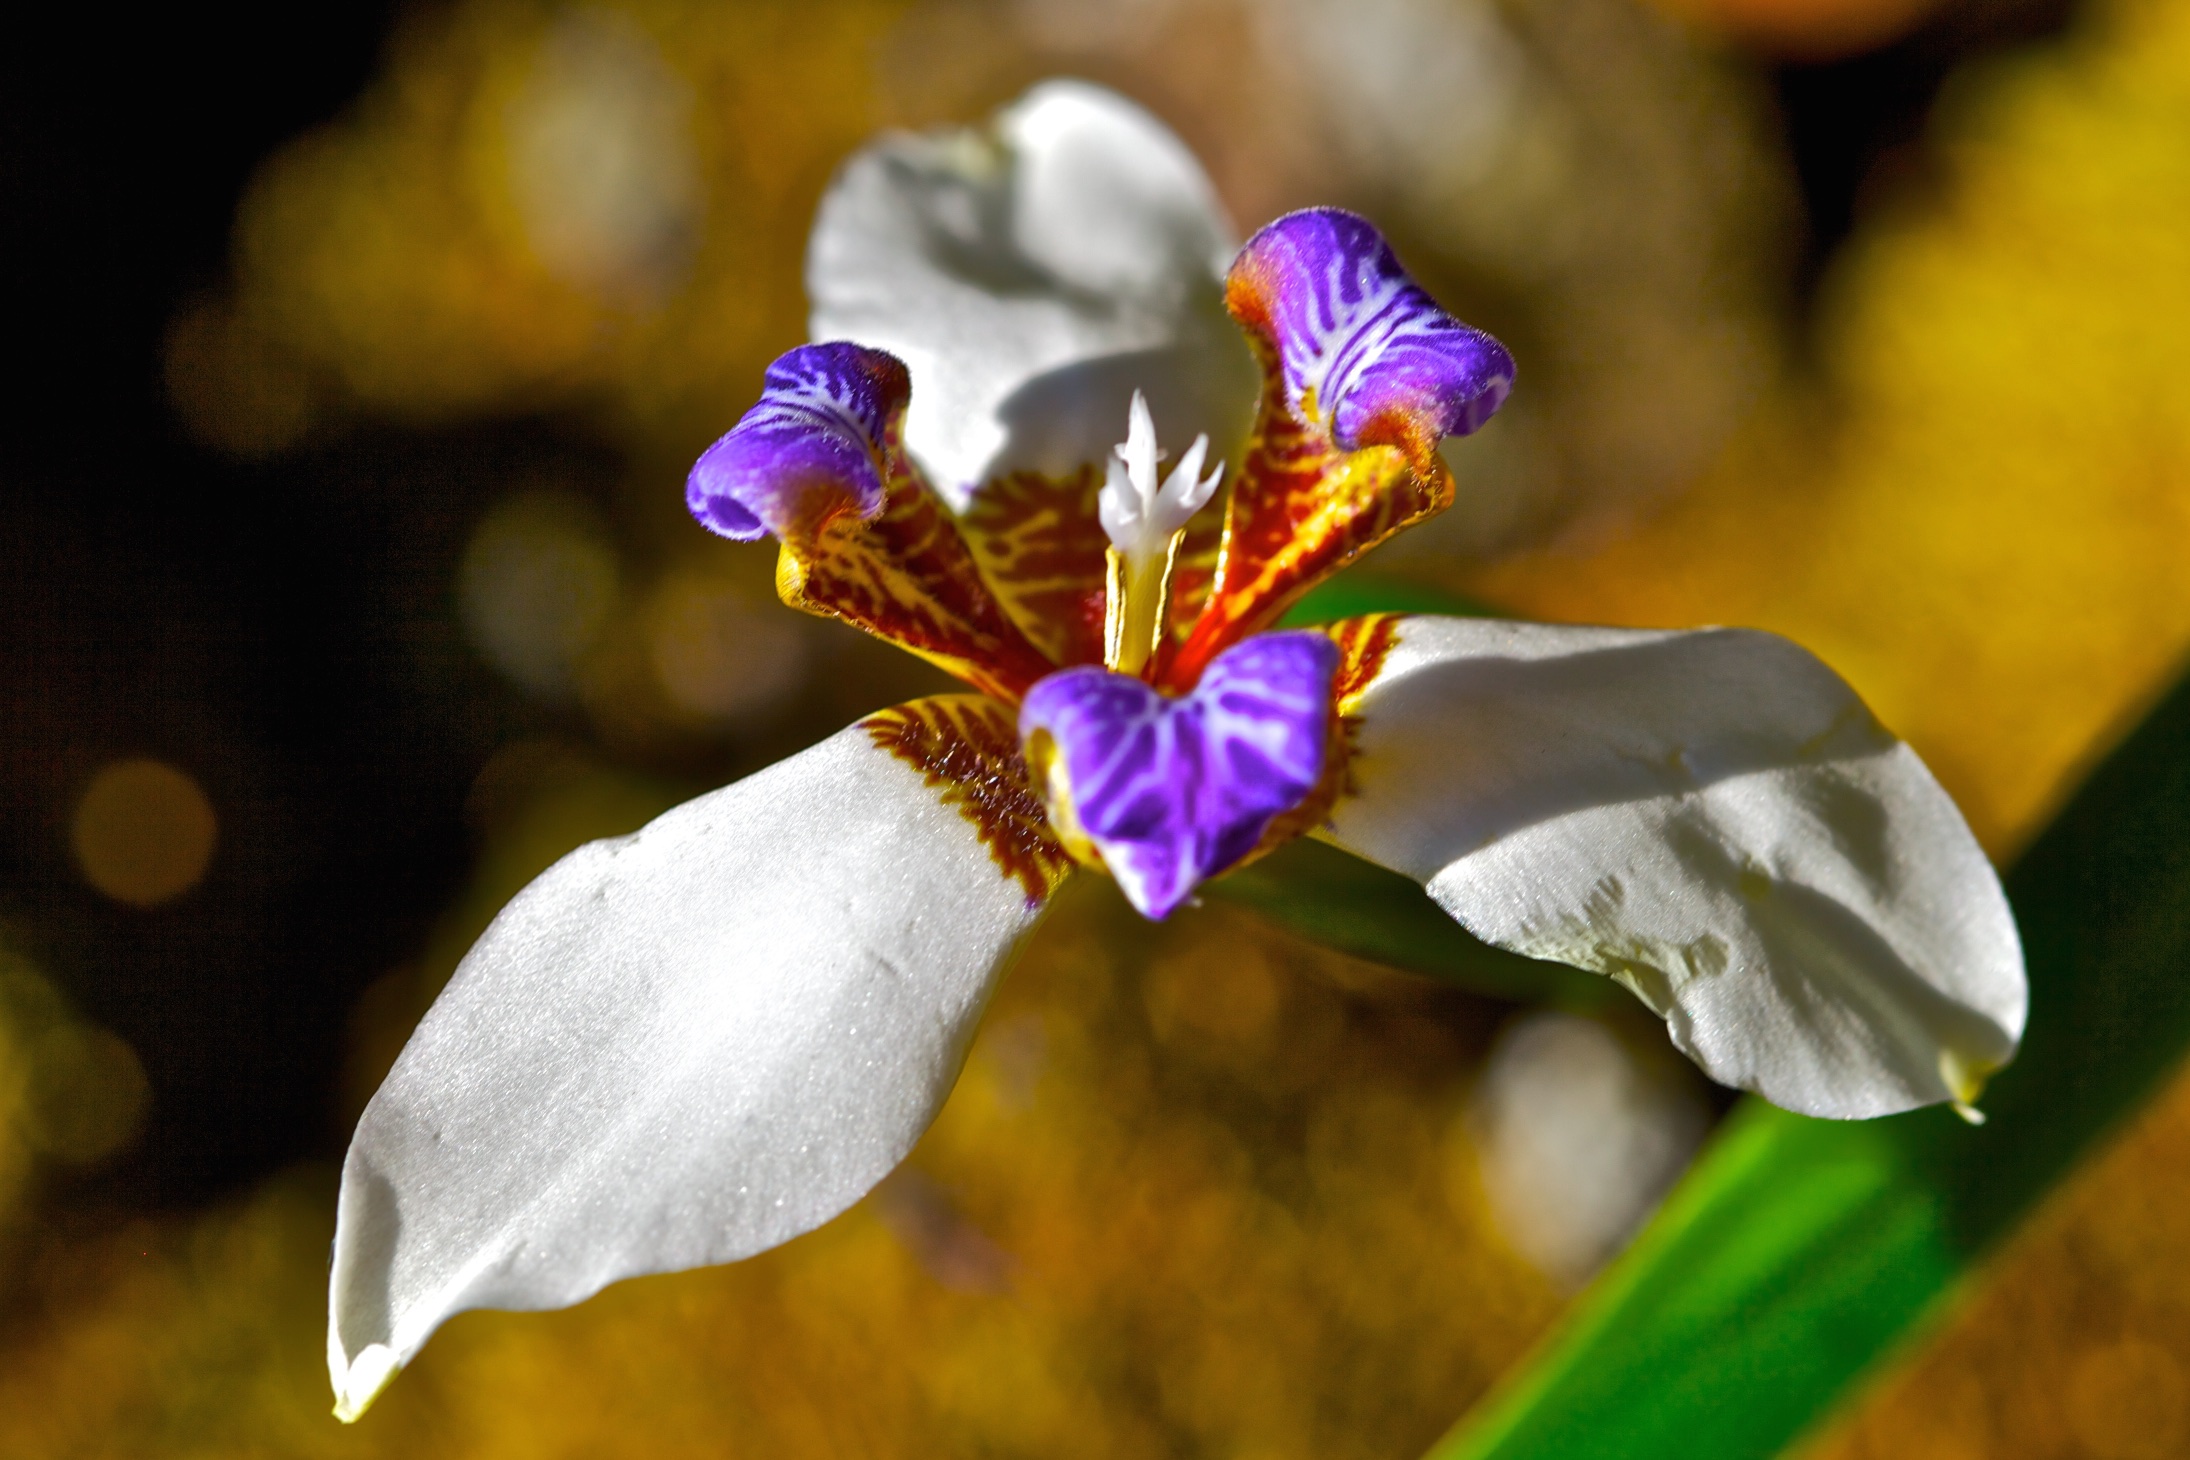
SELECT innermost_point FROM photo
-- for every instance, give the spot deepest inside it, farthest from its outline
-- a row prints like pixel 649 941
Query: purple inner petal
pixel 1352 330
pixel 1174 791
pixel 818 428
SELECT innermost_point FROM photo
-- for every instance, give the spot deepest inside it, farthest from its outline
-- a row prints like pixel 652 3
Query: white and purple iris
pixel 690 1044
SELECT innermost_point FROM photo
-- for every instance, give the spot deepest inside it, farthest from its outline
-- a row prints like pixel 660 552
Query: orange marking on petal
pixel 1300 509
pixel 1364 644
pixel 967 748
pixel 1042 549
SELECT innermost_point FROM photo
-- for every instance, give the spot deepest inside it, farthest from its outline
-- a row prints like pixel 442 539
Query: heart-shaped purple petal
pixel 1173 791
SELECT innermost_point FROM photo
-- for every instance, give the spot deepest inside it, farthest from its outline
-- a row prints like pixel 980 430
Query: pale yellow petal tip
pixel 368 1374
pixel 1965 1080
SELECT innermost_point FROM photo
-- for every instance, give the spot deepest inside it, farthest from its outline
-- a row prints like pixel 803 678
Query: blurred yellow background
pixel 1202 1190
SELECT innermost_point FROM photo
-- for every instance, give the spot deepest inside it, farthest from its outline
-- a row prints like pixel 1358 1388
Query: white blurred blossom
pixel 1577 1139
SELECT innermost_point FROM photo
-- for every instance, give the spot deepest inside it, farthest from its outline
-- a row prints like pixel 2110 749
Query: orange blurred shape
pixel 143 832
pixel 235 385
pixel 2126 1400
pixel 1805 30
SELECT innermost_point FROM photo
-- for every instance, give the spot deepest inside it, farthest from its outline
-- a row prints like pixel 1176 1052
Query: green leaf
pixel 1337 899
pixel 1797 1251
pixel 1353 593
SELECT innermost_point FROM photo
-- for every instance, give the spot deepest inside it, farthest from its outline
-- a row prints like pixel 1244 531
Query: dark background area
pixel 285 631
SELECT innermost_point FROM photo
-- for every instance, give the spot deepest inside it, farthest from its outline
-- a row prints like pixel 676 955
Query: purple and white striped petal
pixel 1364 351
pixel 813 445
pixel 1173 791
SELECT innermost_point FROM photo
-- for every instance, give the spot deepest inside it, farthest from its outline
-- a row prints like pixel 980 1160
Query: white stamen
pixel 1139 515
pixel 1145 522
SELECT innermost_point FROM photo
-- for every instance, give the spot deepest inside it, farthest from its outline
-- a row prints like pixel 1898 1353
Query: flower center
pixel 1144 521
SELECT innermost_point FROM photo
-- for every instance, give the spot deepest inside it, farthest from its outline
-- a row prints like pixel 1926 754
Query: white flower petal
pixel 1714 819
pixel 1031 277
pixel 674 1048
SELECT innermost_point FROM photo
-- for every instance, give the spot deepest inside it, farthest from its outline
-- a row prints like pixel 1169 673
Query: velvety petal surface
pixel 689 1044
pixel 1363 376
pixel 1171 791
pixel 819 463
pixel 813 445
pixel 1715 820
pixel 1363 349
pixel 1032 275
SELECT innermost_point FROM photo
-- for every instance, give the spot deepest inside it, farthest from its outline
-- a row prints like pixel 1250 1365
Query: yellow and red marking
pixel 908 577
pixel 1363 645
pixel 1301 508
pixel 1040 547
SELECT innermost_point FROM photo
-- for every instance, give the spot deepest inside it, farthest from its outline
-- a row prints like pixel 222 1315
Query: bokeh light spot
pixel 71 1093
pixel 719 653
pixel 143 832
pixel 600 155
pixel 87 1093
pixel 233 384
pixel 536 587
pixel 1229 1000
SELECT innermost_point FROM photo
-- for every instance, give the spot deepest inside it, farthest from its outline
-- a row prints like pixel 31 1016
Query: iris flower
pixel 693 1043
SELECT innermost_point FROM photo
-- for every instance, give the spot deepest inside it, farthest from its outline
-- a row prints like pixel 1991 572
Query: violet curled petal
pixel 819 426
pixel 1357 337
pixel 1174 791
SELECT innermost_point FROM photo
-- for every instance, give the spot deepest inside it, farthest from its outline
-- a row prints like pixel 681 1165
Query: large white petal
pixel 1716 820
pixel 1031 276
pixel 674 1048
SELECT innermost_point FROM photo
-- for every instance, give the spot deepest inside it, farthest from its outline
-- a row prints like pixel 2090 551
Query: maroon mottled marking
pixel 1040 545
pixel 1363 645
pixel 967 747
